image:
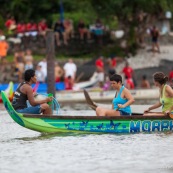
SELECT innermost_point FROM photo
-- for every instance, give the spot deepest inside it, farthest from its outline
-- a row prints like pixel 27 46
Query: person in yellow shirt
pixel 166 94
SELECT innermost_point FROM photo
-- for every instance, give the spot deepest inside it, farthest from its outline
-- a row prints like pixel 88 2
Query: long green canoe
pixel 89 124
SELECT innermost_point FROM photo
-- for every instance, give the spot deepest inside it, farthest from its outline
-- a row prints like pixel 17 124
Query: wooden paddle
pixel 89 100
pixel 94 106
pixel 91 104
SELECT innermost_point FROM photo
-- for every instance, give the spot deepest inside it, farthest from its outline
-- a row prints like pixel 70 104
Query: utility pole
pixel 50 55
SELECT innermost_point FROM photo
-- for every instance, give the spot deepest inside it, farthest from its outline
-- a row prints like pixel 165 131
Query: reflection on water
pixel 46 136
pixel 23 150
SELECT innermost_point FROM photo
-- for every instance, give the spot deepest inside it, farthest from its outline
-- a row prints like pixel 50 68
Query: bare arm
pixel 129 97
pixel 169 92
pixel 32 101
pixel 157 105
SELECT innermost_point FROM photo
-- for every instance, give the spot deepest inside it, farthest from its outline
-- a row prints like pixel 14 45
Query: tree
pixel 133 16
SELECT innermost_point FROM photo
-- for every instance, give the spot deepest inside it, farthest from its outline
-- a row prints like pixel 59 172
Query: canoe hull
pixel 60 124
pixel 89 124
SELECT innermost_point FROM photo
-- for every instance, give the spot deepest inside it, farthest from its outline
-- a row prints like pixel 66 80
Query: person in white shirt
pixel 43 65
pixel 40 75
pixel 70 69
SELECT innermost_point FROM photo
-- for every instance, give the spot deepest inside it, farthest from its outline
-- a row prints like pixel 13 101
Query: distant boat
pixel 90 124
pixel 87 84
pixel 60 86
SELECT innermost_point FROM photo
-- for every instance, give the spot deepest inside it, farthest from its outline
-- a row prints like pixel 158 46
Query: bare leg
pixel 158 48
pixel 82 36
pixel 46 109
pixel 106 112
pixel 65 36
pixel 153 48
pixel 88 35
pixel 57 39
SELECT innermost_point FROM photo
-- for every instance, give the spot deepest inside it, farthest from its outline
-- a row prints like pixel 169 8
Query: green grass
pixel 37 58
pixel 10 58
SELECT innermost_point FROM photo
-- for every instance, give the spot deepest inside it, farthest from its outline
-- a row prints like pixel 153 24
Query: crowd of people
pixel 64 30
pixel 127 73
pixel 105 67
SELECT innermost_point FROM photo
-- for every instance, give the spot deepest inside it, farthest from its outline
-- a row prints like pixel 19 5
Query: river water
pixel 23 150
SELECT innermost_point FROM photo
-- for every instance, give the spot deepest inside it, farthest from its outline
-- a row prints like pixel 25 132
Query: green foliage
pixel 114 13
pixel 2 22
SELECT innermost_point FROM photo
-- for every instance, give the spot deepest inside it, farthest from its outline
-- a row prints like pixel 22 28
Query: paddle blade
pixel 89 100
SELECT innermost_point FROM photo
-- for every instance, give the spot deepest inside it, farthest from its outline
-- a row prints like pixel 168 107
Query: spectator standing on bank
pixel 19 63
pixel 145 83
pixel 3 49
pixel 40 75
pixel 154 36
pixel 171 78
pixel 129 84
pixel 128 72
pixel 112 63
pixel 43 65
pixel 69 83
pixel 100 70
pixel 70 70
pixel 59 72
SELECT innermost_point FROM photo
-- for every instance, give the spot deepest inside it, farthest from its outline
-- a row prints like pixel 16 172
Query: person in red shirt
pixel 21 29
pixel 171 78
pixel 129 84
pixel 128 71
pixel 171 75
pixel 68 83
pixel 100 69
pixel 10 24
pixel 42 27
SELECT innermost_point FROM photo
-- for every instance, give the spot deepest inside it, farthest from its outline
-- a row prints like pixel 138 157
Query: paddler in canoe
pixel 122 101
pixel 166 94
pixel 24 92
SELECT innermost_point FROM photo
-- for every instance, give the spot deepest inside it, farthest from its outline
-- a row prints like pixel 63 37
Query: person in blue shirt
pixel 122 101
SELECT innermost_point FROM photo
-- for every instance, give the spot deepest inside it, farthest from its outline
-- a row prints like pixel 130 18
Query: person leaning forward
pixel 24 92
pixel 121 103
pixel 166 94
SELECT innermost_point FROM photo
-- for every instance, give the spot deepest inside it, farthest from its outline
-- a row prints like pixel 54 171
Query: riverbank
pixel 145 58
pixel 145 62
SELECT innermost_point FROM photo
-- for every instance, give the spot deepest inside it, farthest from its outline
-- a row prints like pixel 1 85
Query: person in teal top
pixel 166 94
pixel 122 101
